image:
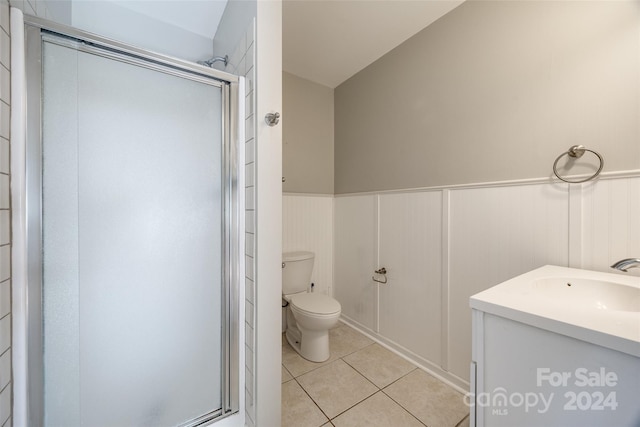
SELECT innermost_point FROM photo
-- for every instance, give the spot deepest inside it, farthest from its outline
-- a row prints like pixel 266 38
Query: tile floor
pixel 364 384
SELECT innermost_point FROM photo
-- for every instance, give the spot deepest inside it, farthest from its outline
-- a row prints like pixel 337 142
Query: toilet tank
pixel 296 271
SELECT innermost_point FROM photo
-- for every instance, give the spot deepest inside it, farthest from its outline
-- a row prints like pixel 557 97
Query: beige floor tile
pixel 297 409
pixel 336 387
pixel 428 399
pixel 376 411
pixel 286 376
pixel 345 340
pixel 379 365
pixel 464 423
pixel 298 365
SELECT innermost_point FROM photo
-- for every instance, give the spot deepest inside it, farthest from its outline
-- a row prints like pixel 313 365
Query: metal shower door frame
pixel 37 31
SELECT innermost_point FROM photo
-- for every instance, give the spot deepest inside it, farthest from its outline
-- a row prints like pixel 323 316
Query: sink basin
pixel 599 294
pixel 592 306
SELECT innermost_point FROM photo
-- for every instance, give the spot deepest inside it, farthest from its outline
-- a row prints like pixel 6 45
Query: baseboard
pixel 447 377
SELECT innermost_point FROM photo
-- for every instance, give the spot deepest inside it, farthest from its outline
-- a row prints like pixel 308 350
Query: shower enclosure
pixel 131 227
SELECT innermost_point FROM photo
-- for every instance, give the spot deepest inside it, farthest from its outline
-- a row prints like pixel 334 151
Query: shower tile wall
pixel 36 8
pixel 32 7
pixel 5 219
pixel 241 62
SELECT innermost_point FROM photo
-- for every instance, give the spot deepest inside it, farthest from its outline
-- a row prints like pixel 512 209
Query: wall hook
pixel 272 119
pixel 381 272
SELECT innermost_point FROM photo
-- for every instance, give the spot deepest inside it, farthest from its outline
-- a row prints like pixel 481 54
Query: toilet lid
pixel 315 303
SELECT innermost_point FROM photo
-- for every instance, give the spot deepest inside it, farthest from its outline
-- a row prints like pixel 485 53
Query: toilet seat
pixel 315 304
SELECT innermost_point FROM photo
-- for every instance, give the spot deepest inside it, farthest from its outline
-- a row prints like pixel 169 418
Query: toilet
pixel 310 315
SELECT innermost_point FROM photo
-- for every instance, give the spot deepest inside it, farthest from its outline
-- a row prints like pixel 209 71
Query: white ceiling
pixel 197 16
pixel 325 41
pixel 328 41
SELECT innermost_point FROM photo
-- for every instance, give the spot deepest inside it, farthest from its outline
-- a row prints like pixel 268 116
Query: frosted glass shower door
pixel 132 171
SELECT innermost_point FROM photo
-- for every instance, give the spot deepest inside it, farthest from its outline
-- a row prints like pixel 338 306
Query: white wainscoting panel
pixel 410 248
pixel 610 223
pixel 483 236
pixel 495 234
pixel 355 258
pixel 307 225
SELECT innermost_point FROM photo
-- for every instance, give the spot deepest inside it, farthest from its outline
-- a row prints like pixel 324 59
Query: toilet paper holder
pixel 381 272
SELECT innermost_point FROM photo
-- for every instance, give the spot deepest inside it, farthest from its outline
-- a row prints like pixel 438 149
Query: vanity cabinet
pixel 539 362
pixel 527 376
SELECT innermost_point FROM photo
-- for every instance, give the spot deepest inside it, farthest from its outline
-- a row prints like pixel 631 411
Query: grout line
pixel 464 418
pixel 357 403
pixel 400 405
pixel 364 375
pixel 378 389
pixel 314 402
pixel 5 387
pixel 345 362
pixel 285 368
pixel 381 390
pixel 355 351
pixel 391 383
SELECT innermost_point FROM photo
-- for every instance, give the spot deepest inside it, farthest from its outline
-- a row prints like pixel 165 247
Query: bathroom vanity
pixel 557 347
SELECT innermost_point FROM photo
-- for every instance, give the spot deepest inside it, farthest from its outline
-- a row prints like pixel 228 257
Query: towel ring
pixel 576 152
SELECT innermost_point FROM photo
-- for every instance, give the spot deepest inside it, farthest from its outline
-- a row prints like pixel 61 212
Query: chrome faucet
pixel 624 264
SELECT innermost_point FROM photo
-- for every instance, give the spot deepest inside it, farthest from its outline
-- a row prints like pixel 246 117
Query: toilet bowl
pixel 310 315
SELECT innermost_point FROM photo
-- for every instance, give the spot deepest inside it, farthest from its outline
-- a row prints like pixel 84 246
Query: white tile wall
pixel 249 268
pixel 5 116
pixel 5 333
pixel 5 262
pixel 488 234
pixel 5 298
pixel 4 155
pixel 5 227
pixel 4 15
pixel 307 225
pixel 5 404
pixel 5 49
pixel 5 369
pixel 5 84
pixel 4 191
pixel 5 218
pixel 26 6
pixel 241 63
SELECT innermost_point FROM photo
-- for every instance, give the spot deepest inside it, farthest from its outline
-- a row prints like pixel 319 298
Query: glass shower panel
pixel 132 243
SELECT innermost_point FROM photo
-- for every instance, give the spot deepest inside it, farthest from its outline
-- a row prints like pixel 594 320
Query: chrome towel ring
pixel 577 151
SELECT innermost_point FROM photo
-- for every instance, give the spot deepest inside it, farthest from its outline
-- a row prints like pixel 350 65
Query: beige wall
pixel 307 136
pixel 494 91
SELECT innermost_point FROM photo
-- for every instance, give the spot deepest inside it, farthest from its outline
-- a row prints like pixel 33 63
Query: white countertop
pixel 523 300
